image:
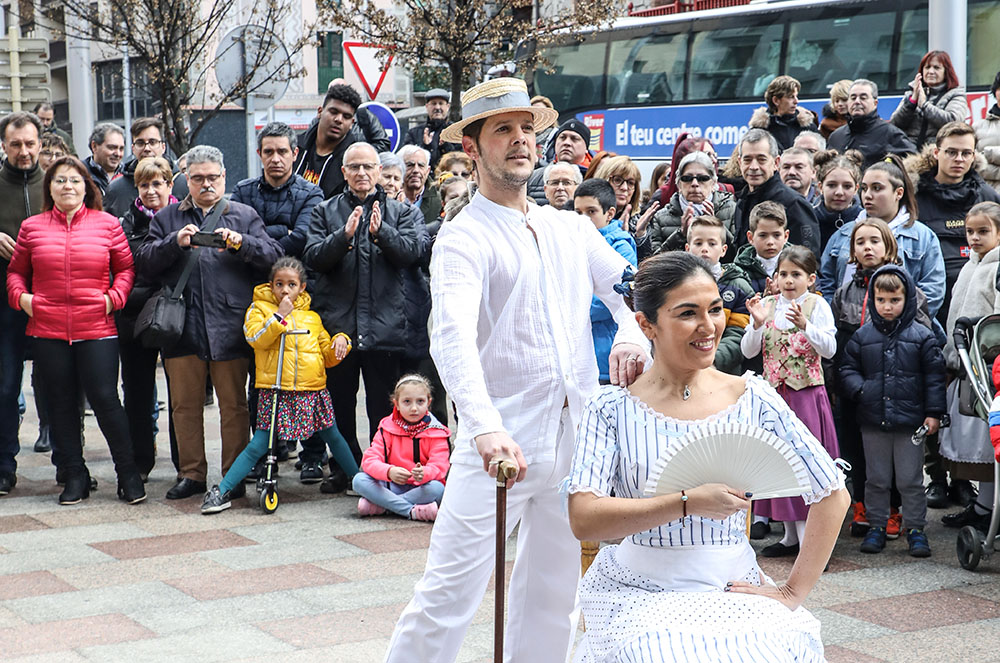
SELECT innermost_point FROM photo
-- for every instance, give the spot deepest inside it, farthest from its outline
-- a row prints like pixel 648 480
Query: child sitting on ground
pixel 894 370
pixel 595 199
pixel 403 470
pixel 303 403
pixel 706 238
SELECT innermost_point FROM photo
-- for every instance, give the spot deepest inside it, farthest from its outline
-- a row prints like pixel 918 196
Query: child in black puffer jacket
pixel 893 368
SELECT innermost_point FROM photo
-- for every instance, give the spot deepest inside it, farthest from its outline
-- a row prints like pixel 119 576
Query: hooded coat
pixel 943 208
pixel 285 210
pixel 665 227
pixel 784 128
pixel 832 120
pixel 306 357
pixel 393 446
pixel 975 296
pixel 872 136
pixel 988 132
pixel 602 324
pixel 894 369
pixel 330 178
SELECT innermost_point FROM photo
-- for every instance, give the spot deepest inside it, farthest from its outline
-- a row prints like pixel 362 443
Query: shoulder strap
pixel 208 224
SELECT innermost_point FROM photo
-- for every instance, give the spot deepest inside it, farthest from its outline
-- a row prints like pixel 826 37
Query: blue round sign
pixel 388 120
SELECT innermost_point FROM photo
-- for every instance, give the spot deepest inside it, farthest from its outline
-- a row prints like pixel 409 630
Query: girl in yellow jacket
pixel 304 405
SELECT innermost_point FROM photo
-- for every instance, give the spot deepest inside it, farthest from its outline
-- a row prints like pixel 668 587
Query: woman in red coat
pixel 60 276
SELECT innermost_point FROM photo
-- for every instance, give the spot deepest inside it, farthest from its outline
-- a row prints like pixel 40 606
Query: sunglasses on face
pixel 691 178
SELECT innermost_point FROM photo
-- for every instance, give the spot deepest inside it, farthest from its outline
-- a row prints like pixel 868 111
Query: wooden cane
pixel 506 470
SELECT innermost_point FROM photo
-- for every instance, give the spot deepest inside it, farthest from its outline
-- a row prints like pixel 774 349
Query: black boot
pixel 42 444
pixel 77 487
pixel 130 488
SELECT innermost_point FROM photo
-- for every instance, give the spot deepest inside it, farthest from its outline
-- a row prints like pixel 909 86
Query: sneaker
pixel 256 472
pixel 968 516
pixel 311 473
pixel 874 540
pixel 917 541
pixel 425 512
pixel 859 523
pixel 215 501
pixel 937 495
pixel 895 524
pixel 759 530
pixel 366 508
pixel 333 485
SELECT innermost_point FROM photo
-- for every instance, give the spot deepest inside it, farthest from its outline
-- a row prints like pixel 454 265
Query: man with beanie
pixel 569 144
pixel 21 191
pixel 428 134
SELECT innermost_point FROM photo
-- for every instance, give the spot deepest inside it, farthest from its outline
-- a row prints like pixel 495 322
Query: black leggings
pixel 62 368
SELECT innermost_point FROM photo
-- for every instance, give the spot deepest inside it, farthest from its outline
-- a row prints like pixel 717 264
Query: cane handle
pixel 506 470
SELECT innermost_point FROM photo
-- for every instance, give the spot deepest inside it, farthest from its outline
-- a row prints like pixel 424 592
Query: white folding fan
pixel 743 457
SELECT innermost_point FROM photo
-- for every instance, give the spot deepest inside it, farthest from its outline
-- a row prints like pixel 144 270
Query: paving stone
pixel 338 627
pixel 972 641
pixel 172 544
pixel 104 600
pixel 62 536
pixel 20 523
pixel 905 578
pixel 837 628
pixel 914 612
pixel 24 561
pixel 375 565
pixel 256 581
pixel 391 541
pixel 837 654
pixel 57 657
pixel 36 583
pixel 266 554
pixel 234 612
pixel 58 636
pixel 205 645
pixel 147 569
pixel 361 594
pixel 101 511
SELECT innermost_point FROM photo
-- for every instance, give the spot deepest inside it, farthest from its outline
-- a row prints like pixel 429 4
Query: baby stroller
pixel 978 346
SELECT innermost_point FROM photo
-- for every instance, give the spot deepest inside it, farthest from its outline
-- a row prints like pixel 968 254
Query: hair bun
pixel 823 157
pixel 626 286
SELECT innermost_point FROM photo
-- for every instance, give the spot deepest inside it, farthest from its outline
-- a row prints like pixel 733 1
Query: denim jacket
pixel 919 250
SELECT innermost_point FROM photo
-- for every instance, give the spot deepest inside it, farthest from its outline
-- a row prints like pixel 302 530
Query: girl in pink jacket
pixel 404 469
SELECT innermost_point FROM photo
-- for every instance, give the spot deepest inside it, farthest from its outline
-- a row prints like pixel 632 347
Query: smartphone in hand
pixel 213 240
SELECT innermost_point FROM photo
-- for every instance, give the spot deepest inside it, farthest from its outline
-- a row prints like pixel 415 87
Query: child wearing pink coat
pixel 404 469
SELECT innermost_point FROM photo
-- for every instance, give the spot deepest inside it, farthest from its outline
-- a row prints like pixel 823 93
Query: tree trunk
pixel 457 71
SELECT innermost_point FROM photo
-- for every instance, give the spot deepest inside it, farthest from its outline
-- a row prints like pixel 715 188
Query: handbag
pixel 161 321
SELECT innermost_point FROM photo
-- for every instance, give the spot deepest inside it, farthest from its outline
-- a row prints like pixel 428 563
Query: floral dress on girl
pixel 793 366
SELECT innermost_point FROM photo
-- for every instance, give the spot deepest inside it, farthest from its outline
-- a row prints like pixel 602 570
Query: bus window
pixel 574 75
pixel 824 51
pixel 648 69
pixel 734 63
pixel 912 46
pixel 984 26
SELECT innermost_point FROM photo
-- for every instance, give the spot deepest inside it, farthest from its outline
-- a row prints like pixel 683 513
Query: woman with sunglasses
pixel 697 194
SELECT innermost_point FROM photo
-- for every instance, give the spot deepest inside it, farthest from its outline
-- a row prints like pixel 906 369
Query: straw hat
pixel 493 97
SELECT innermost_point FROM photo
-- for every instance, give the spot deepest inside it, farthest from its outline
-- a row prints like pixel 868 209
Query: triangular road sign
pixel 368 62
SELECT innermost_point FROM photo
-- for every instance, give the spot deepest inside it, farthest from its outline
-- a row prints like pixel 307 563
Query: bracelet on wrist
pixel 684 504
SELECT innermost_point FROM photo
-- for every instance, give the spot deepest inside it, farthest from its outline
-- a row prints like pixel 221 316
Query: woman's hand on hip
pixel 716 501
pixel 781 593
pixel 24 301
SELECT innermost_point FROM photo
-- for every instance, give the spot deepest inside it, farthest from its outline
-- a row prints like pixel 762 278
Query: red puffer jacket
pixel 66 268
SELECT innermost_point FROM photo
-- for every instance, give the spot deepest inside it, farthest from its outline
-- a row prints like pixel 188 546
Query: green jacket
pixel 735 288
pixel 746 259
pixel 21 193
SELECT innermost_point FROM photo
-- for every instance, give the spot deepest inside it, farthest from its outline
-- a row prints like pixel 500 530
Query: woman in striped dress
pixel 684 585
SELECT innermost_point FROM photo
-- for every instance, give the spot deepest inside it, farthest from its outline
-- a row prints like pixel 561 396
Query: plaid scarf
pixel 410 429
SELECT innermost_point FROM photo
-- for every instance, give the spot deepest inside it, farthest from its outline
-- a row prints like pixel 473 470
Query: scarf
pixel 148 212
pixel 410 429
pixel 698 207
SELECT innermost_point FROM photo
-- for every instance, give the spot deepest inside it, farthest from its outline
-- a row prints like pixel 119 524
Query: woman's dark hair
pixel 658 172
pixel 892 166
pixel 288 262
pixel 92 195
pixel 799 256
pixel 950 77
pixel 660 274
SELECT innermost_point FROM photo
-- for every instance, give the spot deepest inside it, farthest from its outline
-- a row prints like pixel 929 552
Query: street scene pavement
pixel 104 581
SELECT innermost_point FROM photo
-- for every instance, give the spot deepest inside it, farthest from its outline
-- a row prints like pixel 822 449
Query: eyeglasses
pixel 356 167
pixel 154 184
pixel 561 183
pixel 54 155
pixel 61 181
pixel 954 154
pixel 413 164
pixel 202 179
pixel 691 178
pixel 142 144
pixel 618 180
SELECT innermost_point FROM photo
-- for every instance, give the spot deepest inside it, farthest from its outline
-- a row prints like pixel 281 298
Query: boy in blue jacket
pixel 595 199
pixel 894 369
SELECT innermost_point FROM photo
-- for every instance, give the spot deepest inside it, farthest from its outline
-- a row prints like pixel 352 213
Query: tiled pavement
pixel 104 581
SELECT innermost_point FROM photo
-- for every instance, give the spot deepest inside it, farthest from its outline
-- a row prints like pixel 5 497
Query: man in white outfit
pixel 512 285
